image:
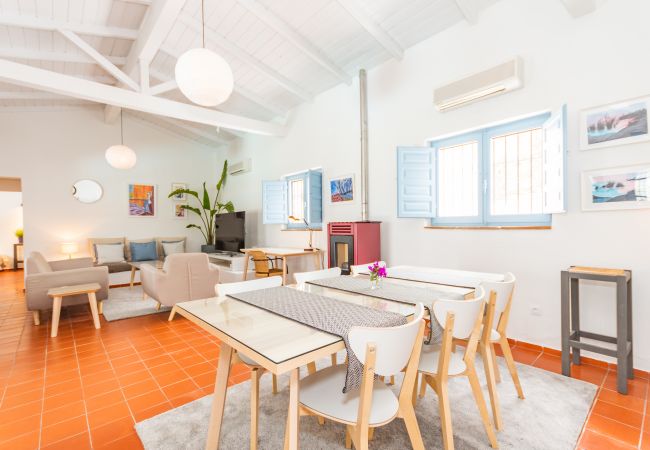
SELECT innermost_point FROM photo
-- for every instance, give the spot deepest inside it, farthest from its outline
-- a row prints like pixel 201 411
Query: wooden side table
pixel 572 334
pixel 18 251
pixel 59 293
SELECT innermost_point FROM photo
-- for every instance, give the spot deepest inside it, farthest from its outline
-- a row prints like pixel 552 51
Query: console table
pixel 18 251
pixel 572 334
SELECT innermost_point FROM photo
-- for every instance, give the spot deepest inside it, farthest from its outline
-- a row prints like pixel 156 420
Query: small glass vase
pixel 375 283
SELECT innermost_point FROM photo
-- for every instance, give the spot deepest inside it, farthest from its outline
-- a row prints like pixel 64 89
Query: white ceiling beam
pixel 46 80
pixel 289 33
pixel 138 2
pixel 579 8
pixel 161 88
pixel 14 20
pixel 372 27
pixel 32 95
pixel 101 59
pixel 40 55
pixel 250 96
pixel 201 133
pixel 470 10
pixel 156 25
pixel 242 55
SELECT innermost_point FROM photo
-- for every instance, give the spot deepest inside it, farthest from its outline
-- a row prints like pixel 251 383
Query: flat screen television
pixel 230 231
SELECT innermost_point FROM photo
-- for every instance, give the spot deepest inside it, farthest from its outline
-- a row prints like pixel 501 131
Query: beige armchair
pixel 43 275
pixel 184 276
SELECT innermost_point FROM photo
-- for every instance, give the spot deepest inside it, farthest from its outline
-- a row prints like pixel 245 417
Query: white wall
pixel 593 60
pixel 52 149
pixel 11 219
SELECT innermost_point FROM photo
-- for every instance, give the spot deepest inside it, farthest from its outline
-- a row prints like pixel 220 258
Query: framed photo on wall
pixel 342 189
pixel 142 200
pixel 619 123
pixel 616 188
pixel 179 211
pixel 179 197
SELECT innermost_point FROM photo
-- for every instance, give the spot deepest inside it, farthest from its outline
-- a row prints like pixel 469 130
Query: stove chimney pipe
pixel 363 97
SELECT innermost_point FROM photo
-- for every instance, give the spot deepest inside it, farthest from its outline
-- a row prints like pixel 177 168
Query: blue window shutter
pixel 554 141
pixel 274 202
pixel 315 203
pixel 416 182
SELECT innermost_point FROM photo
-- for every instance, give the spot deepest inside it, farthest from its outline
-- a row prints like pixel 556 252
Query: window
pixel 298 196
pixel 507 175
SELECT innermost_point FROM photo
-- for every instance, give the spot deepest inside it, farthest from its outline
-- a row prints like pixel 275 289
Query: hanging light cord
pixel 202 25
pixel 121 128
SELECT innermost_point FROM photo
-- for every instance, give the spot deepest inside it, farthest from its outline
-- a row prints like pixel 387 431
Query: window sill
pixel 301 229
pixel 502 227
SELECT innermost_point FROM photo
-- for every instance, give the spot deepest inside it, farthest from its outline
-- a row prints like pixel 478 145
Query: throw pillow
pixel 143 251
pixel 169 248
pixel 109 253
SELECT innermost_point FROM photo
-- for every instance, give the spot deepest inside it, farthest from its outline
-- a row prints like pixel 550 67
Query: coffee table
pixel 135 265
pixel 59 293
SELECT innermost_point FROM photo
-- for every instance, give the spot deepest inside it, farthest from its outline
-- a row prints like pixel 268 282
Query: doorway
pixel 11 224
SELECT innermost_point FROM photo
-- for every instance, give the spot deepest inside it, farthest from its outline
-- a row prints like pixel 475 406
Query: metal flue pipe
pixel 363 97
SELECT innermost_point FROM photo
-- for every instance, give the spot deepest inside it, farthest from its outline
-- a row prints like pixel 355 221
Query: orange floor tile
pixel 87 388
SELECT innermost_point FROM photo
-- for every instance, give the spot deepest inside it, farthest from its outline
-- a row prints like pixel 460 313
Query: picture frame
pixel 616 188
pixel 341 189
pixel 180 197
pixel 142 200
pixel 178 211
pixel 619 123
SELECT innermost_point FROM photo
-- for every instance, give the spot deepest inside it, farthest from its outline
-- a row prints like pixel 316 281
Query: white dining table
pixel 278 344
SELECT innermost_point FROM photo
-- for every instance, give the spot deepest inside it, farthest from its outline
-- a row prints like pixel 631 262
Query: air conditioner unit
pixel 498 80
pixel 240 167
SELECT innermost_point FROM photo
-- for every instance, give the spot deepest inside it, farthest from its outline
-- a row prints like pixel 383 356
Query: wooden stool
pixel 572 334
pixel 57 295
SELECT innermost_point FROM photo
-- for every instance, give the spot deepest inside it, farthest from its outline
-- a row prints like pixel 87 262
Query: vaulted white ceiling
pixel 282 52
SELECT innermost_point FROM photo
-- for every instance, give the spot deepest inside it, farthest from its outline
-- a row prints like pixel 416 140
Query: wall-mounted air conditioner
pixel 240 167
pixel 498 80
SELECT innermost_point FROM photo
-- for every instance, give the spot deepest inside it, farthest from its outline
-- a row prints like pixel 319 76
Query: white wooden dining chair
pixel 494 332
pixel 363 268
pixel 257 371
pixel 384 351
pixel 303 277
pixel 438 362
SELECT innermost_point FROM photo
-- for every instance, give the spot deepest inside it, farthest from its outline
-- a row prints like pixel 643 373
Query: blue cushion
pixel 143 251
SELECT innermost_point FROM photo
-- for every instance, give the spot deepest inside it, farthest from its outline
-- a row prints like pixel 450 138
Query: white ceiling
pixel 282 52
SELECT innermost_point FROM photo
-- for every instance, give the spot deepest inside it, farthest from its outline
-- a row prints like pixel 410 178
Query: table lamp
pixel 68 248
pixel 311 231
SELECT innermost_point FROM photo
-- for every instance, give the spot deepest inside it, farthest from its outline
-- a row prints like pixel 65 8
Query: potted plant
pixel 207 209
pixel 19 235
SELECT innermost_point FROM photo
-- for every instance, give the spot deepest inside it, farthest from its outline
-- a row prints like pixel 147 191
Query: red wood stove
pixel 352 243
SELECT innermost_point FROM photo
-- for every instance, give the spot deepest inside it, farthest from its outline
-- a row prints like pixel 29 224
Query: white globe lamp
pixel 121 157
pixel 204 77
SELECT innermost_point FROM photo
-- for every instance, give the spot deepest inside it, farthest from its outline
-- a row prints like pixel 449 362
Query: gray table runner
pixel 325 314
pixel 394 292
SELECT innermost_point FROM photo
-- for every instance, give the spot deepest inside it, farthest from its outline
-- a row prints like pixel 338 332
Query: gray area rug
pixel 126 302
pixel 551 417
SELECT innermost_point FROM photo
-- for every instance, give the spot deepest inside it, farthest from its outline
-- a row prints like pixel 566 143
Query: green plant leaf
pixel 206 198
pixel 224 174
pixel 196 211
pixel 193 226
pixel 229 207
pixel 183 191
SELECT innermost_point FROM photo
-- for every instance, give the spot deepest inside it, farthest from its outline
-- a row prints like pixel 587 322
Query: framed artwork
pixel 179 197
pixel 616 188
pixel 142 200
pixel 619 123
pixel 342 189
pixel 179 211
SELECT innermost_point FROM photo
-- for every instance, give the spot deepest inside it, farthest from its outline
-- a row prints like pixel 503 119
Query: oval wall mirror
pixel 87 191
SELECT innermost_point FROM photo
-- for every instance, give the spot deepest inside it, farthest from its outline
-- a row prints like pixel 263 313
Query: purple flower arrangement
pixel 376 272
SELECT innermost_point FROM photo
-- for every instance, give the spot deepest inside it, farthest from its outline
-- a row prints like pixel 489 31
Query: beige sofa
pixel 186 276
pixel 119 272
pixel 42 275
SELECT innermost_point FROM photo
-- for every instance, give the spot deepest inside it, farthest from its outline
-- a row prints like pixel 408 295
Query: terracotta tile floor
pixel 86 388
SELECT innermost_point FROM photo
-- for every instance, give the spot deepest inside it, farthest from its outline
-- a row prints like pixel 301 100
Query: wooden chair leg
pixel 493 354
pixel 255 398
pixel 392 380
pixel 361 442
pixel 512 368
pixel 333 358
pixel 482 407
pixel 348 437
pixel 275 384
pixel 371 433
pixel 37 317
pixel 311 368
pixel 286 430
pixel 423 387
pixel 445 415
pixel 408 414
pixel 490 377
pixel 101 307
pixel 172 314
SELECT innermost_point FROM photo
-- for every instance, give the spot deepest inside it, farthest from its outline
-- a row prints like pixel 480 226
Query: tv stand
pixel 231 266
